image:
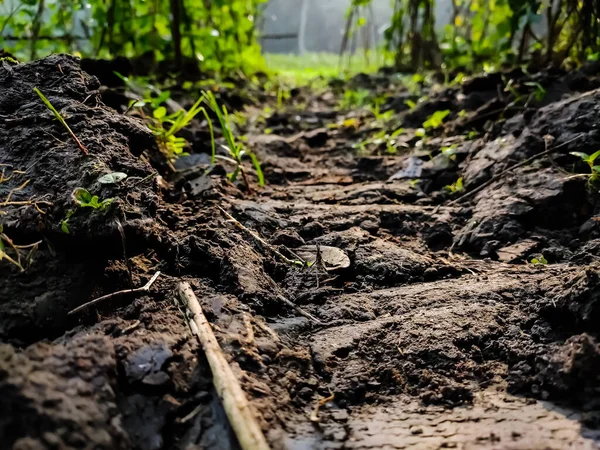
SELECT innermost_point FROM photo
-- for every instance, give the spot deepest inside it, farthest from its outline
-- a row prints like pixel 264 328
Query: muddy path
pixel 421 323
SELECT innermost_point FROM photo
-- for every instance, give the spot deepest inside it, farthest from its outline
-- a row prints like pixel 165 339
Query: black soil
pixel 439 333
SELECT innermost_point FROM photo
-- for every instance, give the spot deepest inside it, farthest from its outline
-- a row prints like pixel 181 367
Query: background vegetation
pixel 493 32
pixel 221 35
pixel 217 35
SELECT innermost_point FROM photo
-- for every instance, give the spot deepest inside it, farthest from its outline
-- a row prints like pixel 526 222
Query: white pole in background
pixel 302 29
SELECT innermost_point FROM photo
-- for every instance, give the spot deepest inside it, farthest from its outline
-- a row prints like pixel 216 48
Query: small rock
pixel 289 238
pixel 517 252
pixel 156 379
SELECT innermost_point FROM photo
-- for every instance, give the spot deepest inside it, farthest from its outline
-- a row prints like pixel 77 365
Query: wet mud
pixel 421 322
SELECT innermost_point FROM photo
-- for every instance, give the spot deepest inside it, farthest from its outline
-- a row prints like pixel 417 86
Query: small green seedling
pixel 538 90
pixel 455 187
pixel 436 119
pixel 235 150
pixel 353 99
pixel 64 224
pixel 539 261
pixel 375 109
pixel 590 160
pixel 84 199
pixel 165 127
pixel 449 152
pixel 411 104
pixel 380 138
pixel 60 119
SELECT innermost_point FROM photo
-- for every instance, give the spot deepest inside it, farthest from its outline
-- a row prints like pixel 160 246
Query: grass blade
pixel 60 119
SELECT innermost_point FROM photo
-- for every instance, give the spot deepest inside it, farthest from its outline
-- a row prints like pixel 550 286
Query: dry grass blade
pixel 60 119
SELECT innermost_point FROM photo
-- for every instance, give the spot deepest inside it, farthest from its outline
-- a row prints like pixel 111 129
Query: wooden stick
pixel 262 242
pixel 88 305
pixel 235 403
pixel 299 310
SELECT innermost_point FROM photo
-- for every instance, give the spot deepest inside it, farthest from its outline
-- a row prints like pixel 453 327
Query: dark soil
pixel 439 333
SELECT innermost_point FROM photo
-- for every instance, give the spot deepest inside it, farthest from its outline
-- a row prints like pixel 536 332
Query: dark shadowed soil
pixel 422 322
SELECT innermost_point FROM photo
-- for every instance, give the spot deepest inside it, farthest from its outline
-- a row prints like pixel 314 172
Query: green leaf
pixel 64 226
pixel 397 133
pixel 583 156
pixel 160 113
pixel 436 119
pixel 82 196
pixel 137 104
pixel 593 157
pixel 259 172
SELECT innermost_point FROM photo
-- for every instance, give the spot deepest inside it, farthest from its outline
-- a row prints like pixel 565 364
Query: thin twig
pixel 142 289
pixel 261 240
pixel 299 310
pixel 314 417
pixel 236 405
pixel 249 329
pixel 513 167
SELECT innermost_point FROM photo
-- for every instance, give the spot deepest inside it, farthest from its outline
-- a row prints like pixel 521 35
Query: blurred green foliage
pixel 218 35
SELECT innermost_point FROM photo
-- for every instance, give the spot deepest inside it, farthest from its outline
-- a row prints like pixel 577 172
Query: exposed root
pixel 104 298
pixel 314 417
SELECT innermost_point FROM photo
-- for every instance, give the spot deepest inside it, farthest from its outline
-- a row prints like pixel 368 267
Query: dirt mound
pixel 43 166
pixel 60 396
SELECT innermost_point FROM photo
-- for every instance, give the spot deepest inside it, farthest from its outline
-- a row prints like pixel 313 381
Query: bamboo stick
pixel 235 403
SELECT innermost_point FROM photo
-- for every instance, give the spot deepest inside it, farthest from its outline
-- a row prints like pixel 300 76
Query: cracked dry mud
pixel 438 334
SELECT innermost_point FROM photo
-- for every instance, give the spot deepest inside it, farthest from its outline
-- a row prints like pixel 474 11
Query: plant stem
pixel 61 120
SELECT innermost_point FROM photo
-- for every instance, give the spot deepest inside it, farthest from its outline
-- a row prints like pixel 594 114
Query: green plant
pixel 449 152
pixel 485 34
pixel 380 117
pixel 235 150
pixel 219 35
pixel 455 187
pixel 590 161
pixel 64 224
pixel 355 98
pixel 84 199
pixel 60 119
pixel 411 105
pixel 382 138
pixel 539 261
pixel 538 90
pixel 436 119
pixel 166 126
